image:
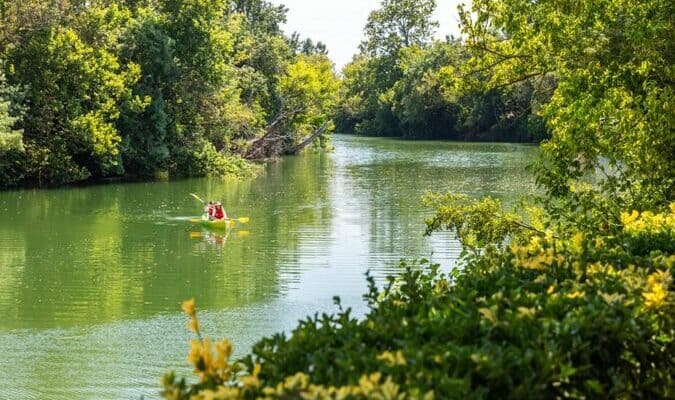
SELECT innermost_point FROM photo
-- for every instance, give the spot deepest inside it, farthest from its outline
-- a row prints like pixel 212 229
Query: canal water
pixel 92 278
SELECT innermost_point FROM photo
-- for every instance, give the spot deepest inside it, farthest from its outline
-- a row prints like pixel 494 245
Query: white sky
pixel 339 24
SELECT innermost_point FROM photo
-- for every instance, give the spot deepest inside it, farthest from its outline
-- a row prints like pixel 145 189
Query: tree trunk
pixel 308 140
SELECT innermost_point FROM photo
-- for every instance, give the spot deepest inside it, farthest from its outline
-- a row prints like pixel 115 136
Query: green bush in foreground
pixel 580 316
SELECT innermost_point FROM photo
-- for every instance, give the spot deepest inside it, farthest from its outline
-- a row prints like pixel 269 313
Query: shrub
pixel 202 158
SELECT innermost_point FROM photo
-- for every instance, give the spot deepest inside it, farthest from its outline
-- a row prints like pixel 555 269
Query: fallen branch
pixel 296 149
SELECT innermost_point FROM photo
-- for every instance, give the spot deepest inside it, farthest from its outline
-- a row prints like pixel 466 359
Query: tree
pixel 137 87
pixel 399 24
pixel 146 140
pixel 11 139
pixel 419 102
pixel 309 96
pixel 262 17
pixel 307 46
pixel 611 111
pixel 367 97
pixel 309 90
pixel 398 85
pixel 396 25
pixel 75 92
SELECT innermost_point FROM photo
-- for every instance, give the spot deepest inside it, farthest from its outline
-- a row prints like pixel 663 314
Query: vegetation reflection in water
pixel 89 276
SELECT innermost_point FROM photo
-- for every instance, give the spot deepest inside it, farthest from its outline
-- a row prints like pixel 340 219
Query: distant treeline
pixel 99 88
pixel 403 83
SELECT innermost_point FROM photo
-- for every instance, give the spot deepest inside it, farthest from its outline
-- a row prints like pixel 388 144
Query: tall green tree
pixel 309 90
pixel 146 140
pixel 75 92
pixel 398 24
pixel 611 112
pixel 10 138
pixel 419 102
pixel 398 85
pixel 261 16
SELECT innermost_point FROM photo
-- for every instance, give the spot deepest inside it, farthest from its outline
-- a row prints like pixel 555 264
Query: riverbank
pixel 245 170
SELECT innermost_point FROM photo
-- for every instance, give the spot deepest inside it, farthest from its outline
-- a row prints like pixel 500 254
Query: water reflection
pixel 391 180
pixel 86 256
pixel 209 240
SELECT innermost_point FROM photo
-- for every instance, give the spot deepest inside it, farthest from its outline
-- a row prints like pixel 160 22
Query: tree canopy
pixel 398 24
pixel 611 109
pixel 397 85
pixel 135 88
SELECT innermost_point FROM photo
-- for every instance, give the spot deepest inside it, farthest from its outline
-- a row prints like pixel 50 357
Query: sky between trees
pixel 339 24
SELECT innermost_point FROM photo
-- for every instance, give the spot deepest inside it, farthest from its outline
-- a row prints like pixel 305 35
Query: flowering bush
pixel 546 317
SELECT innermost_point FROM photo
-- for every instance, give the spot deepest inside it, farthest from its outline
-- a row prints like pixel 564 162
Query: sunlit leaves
pixel 309 90
pixel 75 92
pixel 613 61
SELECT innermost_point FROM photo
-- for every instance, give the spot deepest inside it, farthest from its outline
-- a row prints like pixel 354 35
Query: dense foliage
pixel 113 88
pixel 570 295
pixel 398 85
pixel 611 113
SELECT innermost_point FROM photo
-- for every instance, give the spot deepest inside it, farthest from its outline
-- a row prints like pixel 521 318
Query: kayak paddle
pixel 198 198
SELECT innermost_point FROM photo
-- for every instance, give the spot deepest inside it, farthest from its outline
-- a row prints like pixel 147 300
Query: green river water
pixel 91 279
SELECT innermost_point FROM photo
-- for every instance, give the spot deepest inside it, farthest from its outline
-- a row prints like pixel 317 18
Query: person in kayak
pixel 219 211
pixel 209 210
pixel 215 211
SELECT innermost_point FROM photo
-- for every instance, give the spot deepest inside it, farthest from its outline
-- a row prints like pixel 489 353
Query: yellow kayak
pixel 219 223
pixel 216 223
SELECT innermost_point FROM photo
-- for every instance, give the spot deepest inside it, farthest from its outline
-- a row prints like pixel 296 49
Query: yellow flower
pixel 250 381
pixel 490 314
pixel 189 307
pixel 297 381
pixel 551 289
pixel 195 352
pixel 657 289
pixel 392 359
pixel 576 294
pixel 628 219
pixel 228 393
pixel 578 242
pixel 655 297
pixel 207 356
pixel 389 390
pixel 224 351
pixel 367 383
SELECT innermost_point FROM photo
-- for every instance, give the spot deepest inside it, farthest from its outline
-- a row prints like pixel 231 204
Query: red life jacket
pixel 219 214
